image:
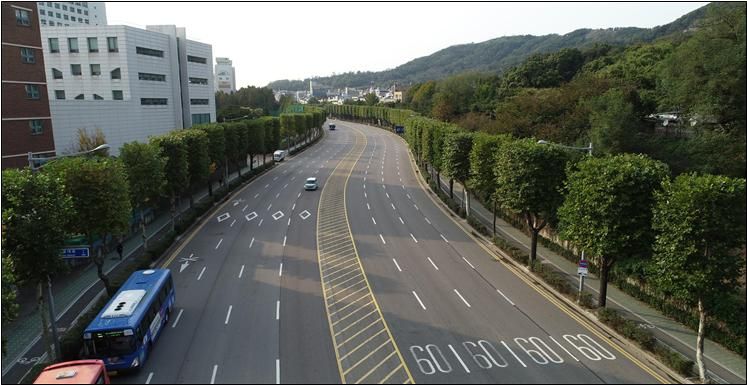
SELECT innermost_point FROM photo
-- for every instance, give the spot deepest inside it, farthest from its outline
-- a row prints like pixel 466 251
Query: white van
pixel 279 155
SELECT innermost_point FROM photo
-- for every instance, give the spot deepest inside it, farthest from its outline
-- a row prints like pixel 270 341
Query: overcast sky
pixel 272 41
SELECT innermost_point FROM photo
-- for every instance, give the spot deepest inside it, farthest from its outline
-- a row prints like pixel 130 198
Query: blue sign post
pixel 74 252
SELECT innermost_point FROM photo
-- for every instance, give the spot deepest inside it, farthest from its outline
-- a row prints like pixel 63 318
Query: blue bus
pixel 122 333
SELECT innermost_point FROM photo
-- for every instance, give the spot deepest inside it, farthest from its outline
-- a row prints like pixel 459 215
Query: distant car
pixel 311 184
pixel 332 127
pixel 279 155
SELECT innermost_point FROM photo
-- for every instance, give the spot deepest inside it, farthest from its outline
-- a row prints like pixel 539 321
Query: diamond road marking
pixel 223 217
pixel 250 216
pixel 278 215
pixel 305 214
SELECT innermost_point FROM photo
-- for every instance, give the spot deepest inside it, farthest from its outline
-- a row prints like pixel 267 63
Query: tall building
pixel 26 121
pixel 69 13
pixel 130 83
pixel 225 75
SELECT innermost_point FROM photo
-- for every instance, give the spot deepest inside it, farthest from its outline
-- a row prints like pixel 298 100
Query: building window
pixel 149 52
pixel 116 73
pixel 54 43
pixel 198 101
pixel 56 74
pixel 95 69
pixel 200 118
pixel 37 126
pixel 97 97
pixel 153 101
pixel 32 91
pixel 44 22
pixel 52 23
pixel 111 42
pixel 80 20
pixel 64 7
pixel 198 81
pixel 58 15
pixel 57 5
pixel 72 43
pixel 86 21
pixel 85 12
pixel 22 17
pixel 117 95
pixel 93 44
pixel 151 77
pixel 59 95
pixel 41 12
pixel 80 97
pixel 80 12
pixel 196 59
pixel 65 17
pixel 75 69
pixel 49 4
pixel 27 56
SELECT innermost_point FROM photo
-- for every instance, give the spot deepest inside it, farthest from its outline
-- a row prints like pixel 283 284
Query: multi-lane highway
pixel 364 280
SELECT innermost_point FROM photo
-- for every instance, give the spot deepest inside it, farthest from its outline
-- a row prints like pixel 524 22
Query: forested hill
pixel 494 55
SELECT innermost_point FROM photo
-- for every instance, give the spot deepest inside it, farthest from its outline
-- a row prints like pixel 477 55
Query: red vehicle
pixel 74 372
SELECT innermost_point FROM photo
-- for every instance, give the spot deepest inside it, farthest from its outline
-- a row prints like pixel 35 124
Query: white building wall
pixel 205 71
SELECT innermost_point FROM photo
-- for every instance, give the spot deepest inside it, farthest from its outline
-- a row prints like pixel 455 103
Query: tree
pixel 608 208
pixel 145 173
pixel 700 225
pixel 615 120
pixel 371 99
pixel 101 200
pixel 36 212
pixel 216 150
pixel 457 147
pixel 255 140
pixel 88 141
pixel 198 159
pixel 529 178
pixel 174 149
pixel 9 304
pixel 482 159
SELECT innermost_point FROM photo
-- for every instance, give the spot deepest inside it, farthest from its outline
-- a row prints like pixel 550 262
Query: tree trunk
pixel 210 186
pixel 699 343
pixel 98 260
pixel 251 162
pixel 173 213
pixel 466 201
pixel 603 276
pixel 451 188
pixel 41 305
pixel 240 167
pixel 142 228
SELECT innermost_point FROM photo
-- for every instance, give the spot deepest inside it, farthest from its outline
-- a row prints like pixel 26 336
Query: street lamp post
pixel 589 149
pixel 50 298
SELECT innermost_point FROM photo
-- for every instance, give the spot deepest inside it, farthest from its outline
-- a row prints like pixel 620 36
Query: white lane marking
pixel 286 185
pixel 416 207
pixel 218 245
pixel 150 377
pixel 277 195
pixel 409 197
pixel 294 178
pixel 289 221
pixel 470 265
pixel 365 195
pixel 382 170
pixel 393 208
pixel 251 243
pixel 382 239
pixel 241 272
pixel 428 220
pixel 413 238
pixel 244 209
pixel 199 277
pixel 364 186
pixel 403 187
pixel 233 223
pixel 228 315
pixel 561 346
pixel 256 195
pixel 432 263
pixel 396 264
pixel 178 317
pixel 223 217
pixel 506 298
pixel 447 241
pixel 284 239
pixel 277 371
pixel 400 219
pixel 463 300
pixel 215 370
pixel 294 207
pixel 369 206
pixel 280 272
pixel 373 220
pixel 387 195
pixel 268 207
pixel 277 310
pixel 260 222
pixel 382 179
pixel 418 298
pixel 364 179
pixel 514 354
pixel 267 185
pixel 459 358
pixel 275 178
pixel 299 195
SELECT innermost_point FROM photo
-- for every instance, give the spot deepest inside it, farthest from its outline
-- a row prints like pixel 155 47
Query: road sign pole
pixel 53 321
pixel 581 279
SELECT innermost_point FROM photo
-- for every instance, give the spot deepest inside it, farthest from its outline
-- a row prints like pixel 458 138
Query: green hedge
pixel 71 343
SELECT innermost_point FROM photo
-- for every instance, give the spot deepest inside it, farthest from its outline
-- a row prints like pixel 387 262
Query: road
pixel 364 280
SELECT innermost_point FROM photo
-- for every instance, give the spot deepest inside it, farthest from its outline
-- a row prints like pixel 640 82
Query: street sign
pixel 583 267
pixel 74 252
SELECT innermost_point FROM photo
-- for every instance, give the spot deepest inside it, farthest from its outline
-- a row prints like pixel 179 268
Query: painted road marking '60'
pixel 431 359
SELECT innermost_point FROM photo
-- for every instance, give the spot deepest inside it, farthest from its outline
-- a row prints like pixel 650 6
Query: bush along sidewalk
pixel 557 279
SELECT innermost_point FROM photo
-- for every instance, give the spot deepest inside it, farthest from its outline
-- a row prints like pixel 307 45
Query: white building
pixel 130 83
pixel 225 75
pixel 69 13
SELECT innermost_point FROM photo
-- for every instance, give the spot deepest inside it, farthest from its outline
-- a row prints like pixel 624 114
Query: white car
pixel 311 184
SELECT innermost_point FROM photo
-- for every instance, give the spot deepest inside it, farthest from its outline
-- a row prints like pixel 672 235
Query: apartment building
pixel 130 83
pixel 225 75
pixel 26 119
pixel 68 13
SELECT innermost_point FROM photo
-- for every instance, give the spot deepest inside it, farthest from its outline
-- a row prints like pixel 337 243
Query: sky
pixel 273 41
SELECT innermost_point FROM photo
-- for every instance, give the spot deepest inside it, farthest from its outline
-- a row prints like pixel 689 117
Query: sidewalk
pixel 26 329
pixel 668 331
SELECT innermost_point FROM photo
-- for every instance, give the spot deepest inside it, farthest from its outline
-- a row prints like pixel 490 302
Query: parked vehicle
pixel 279 155
pixel 332 127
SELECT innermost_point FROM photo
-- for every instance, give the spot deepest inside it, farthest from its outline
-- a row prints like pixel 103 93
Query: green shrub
pixel 477 225
pixel 674 360
pixel 587 300
pixel 71 343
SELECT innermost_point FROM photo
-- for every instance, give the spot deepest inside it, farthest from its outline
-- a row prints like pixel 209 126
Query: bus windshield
pixel 112 344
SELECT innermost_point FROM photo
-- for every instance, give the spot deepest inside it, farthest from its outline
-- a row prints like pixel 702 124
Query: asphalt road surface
pixel 363 280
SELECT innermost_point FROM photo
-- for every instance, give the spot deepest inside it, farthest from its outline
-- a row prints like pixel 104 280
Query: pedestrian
pixel 120 248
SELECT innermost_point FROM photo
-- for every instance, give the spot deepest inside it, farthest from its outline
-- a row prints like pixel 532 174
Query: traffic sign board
pixel 74 252
pixel 583 267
